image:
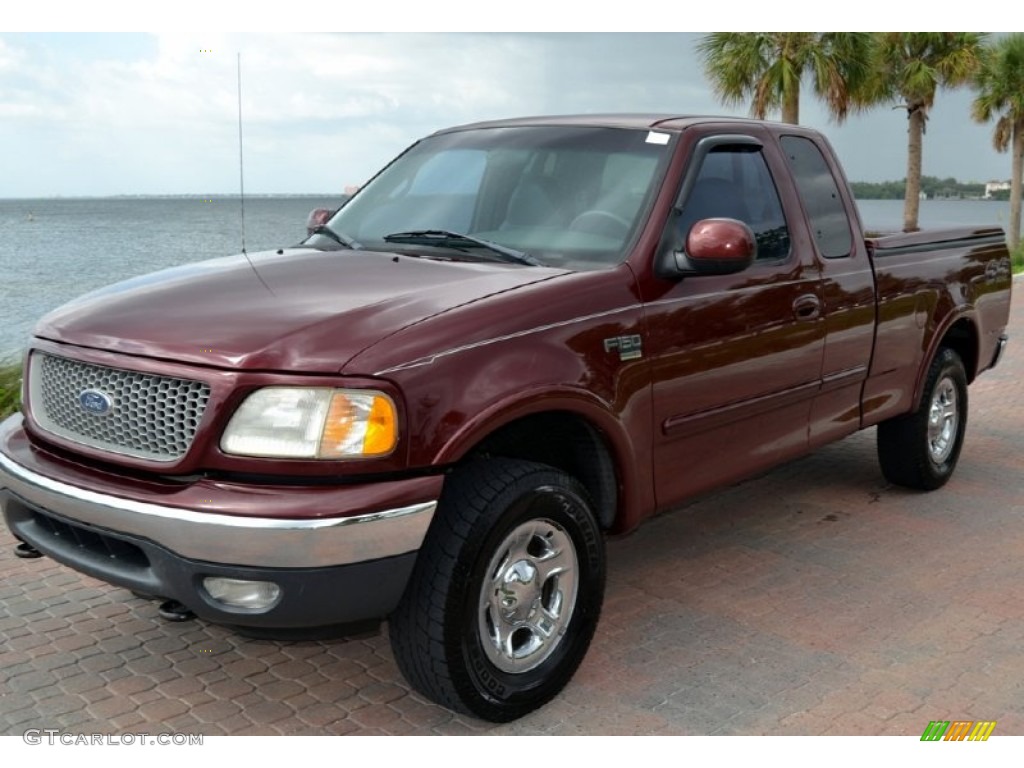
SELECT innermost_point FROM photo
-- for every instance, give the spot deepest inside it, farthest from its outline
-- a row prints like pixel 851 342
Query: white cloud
pixel 130 114
pixel 10 57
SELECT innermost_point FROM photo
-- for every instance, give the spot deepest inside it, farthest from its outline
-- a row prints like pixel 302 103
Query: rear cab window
pixel 826 213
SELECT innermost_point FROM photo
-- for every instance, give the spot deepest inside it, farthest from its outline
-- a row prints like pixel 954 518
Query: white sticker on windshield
pixel 654 137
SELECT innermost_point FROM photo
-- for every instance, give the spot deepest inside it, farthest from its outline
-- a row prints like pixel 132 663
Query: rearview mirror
pixel 317 218
pixel 717 247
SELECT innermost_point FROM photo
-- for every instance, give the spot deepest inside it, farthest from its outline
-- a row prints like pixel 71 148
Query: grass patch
pixel 10 388
pixel 1017 258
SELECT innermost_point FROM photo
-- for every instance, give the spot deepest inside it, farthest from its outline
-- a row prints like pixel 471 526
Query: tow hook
pixel 172 610
pixel 26 551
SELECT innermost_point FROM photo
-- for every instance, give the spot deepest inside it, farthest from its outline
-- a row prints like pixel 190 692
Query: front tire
pixel 506 592
pixel 920 450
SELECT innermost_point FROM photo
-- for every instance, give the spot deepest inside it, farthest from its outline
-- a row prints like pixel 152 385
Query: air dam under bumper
pixel 330 570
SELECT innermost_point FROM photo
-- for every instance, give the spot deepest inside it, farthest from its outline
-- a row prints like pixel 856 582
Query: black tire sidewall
pixel 947 365
pixel 505 696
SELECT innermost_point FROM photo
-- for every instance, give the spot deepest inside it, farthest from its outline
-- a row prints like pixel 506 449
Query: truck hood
pixel 292 310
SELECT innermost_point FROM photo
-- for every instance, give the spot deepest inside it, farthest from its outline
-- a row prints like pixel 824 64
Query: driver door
pixel 736 358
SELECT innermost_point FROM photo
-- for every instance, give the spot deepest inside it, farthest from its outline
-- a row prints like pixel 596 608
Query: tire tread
pixel 418 636
pixel 902 454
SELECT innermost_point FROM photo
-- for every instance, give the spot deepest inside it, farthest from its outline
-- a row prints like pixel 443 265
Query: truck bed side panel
pixel 927 282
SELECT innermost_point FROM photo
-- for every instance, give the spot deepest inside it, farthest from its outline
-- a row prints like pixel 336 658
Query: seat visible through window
pixel 713 198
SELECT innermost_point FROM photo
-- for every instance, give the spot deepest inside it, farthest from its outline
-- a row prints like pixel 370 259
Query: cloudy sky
pixel 88 113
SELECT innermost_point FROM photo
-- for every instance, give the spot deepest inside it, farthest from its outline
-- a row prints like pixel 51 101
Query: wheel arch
pixel 570 433
pixel 959 334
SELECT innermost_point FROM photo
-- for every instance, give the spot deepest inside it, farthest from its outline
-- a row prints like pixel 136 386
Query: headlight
pixel 312 423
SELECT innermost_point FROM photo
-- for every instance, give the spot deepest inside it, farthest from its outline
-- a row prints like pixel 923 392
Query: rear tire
pixel 506 592
pixel 920 450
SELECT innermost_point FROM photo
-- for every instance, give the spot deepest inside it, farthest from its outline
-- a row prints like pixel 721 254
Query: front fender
pixel 460 399
pixel 631 458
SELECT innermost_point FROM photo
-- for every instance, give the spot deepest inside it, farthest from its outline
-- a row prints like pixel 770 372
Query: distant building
pixel 995 186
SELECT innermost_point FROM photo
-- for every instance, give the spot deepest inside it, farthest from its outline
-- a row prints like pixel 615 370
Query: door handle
pixel 807 307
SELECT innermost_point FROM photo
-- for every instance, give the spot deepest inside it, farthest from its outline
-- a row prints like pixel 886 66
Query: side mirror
pixel 717 247
pixel 317 218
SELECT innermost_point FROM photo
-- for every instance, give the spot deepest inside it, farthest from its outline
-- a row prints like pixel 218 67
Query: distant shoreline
pixel 189 196
pixel 338 195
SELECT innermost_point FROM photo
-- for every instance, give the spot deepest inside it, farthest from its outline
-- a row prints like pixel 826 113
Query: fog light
pixel 241 593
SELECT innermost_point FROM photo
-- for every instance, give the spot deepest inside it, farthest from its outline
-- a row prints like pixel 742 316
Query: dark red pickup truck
pixel 516 338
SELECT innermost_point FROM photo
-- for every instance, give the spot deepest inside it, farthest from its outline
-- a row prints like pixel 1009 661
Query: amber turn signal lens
pixel 359 424
pixel 381 431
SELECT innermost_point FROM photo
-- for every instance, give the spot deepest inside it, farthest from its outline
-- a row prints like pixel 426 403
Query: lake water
pixel 887 215
pixel 56 249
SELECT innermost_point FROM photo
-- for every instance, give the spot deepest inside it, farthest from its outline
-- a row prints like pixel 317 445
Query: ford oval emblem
pixel 95 402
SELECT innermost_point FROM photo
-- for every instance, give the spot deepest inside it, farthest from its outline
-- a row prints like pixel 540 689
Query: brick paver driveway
pixel 814 600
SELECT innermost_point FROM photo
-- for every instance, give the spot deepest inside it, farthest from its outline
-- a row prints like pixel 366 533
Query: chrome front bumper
pixel 330 570
pixel 210 535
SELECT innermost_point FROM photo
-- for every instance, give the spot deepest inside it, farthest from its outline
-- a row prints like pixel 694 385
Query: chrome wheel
pixel 528 596
pixel 506 592
pixel 943 419
pixel 920 449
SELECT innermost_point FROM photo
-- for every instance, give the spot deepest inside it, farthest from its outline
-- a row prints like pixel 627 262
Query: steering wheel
pixel 601 223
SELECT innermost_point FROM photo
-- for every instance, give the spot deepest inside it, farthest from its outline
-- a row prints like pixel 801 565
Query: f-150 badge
pixel 630 347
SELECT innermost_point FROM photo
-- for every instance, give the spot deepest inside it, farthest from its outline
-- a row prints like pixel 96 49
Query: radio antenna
pixel 241 177
pixel 241 163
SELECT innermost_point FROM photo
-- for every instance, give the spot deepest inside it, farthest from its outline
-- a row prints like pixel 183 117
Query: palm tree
pixel 912 66
pixel 1000 85
pixel 767 68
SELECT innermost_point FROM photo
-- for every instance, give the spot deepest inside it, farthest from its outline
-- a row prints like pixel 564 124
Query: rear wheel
pixel 920 449
pixel 506 592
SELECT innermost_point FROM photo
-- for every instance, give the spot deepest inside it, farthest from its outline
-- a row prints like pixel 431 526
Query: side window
pixel 734 182
pixel 829 220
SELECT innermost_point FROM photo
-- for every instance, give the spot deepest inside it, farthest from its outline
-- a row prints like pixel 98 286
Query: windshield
pixel 566 196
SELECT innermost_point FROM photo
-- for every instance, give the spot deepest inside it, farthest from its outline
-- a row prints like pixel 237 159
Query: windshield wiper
pixel 444 237
pixel 338 237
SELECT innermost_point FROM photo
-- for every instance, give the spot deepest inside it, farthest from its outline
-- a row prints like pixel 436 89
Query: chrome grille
pixel 147 416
